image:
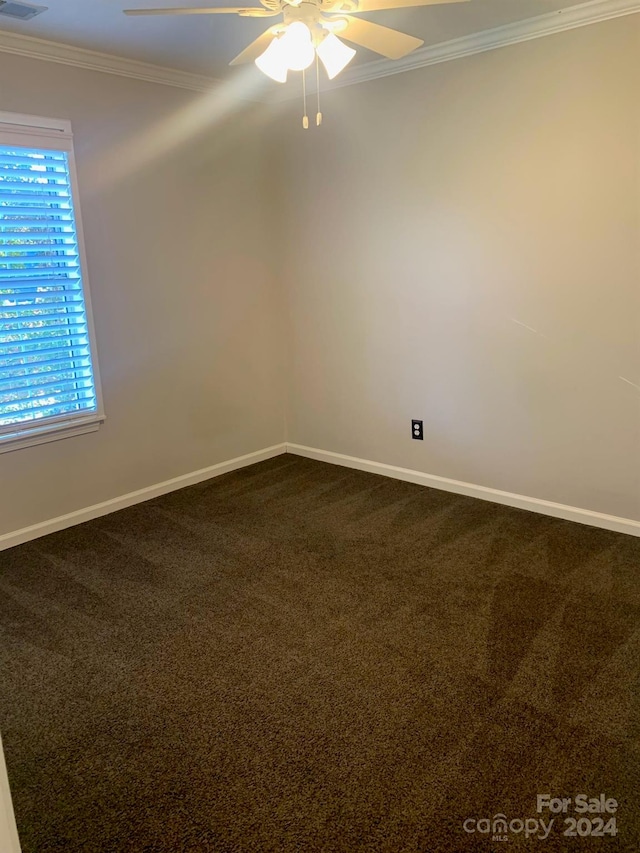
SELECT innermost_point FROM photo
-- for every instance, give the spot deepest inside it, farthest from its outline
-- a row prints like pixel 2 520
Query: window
pixel 49 385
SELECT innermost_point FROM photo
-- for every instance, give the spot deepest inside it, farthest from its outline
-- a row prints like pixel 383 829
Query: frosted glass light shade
pixel 334 55
pixel 297 47
pixel 273 61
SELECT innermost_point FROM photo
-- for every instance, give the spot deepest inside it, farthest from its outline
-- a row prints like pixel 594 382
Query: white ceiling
pixel 205 44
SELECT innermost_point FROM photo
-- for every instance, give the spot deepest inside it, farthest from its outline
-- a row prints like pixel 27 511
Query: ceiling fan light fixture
pixel 334 55
pixel 297 47
pixel 273 62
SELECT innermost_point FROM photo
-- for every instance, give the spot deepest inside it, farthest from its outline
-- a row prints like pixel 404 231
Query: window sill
pixel 52 432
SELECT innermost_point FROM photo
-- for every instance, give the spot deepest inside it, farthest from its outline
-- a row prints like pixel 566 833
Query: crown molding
pixel 540 26
pixel 550 23
pixel 80 57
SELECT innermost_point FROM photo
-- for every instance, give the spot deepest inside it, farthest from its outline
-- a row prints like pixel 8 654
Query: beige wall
pixel 408 244
pixel 179 257
pixel 434 217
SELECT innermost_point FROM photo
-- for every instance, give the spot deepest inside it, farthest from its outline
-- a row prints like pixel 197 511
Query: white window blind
pixel 47 375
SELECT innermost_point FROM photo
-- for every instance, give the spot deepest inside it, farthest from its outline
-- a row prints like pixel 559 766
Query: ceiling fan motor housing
pixel 310 14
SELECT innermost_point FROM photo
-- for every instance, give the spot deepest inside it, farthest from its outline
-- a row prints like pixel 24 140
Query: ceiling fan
pixel 309 31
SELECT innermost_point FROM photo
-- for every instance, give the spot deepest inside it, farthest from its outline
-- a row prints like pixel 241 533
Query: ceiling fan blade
pixel 245 12
pixel 256 47
pixel 388 42
pixel 380 5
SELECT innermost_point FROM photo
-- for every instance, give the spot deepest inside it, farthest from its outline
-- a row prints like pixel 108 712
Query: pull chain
pixel 305 117
pixel 318 114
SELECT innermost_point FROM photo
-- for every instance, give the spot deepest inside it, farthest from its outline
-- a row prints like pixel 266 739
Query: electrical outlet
pixel 417 430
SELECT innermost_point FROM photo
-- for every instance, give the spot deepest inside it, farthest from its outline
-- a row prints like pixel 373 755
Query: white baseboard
pixel 26 534
pixel 569 513
pixel 9 842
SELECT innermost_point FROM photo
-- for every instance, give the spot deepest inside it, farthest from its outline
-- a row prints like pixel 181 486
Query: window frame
pixel 55 134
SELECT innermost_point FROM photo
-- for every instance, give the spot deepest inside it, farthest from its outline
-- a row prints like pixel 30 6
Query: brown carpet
pixel 300 657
